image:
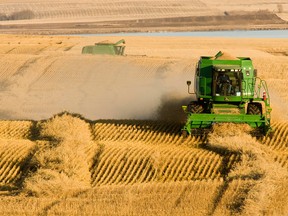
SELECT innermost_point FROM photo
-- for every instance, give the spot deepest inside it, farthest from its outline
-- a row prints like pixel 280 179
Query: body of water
pixel 233 34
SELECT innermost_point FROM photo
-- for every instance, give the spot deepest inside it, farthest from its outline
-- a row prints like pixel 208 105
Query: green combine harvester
pixel 227 89
pixel 105 48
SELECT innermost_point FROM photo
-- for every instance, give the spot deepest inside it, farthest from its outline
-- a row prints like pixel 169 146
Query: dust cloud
pixel 279 106
pixel 98 88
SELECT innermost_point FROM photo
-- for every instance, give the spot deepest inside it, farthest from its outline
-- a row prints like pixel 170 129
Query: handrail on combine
pixel 262 88
pixel 262 85
pixel 258 86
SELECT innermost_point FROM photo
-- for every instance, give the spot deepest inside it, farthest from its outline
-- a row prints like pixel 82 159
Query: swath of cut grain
pixel 63 163
pixel 66 127
pixel 133 162
pixel 13 154
pixel 279 139
pixel 279 143
pixel 278 204
pixel 256 164
pixel 145 131
pixel 232 200
pixel 15 129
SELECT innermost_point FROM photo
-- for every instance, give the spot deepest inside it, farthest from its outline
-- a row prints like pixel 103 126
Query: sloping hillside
pixel 41 76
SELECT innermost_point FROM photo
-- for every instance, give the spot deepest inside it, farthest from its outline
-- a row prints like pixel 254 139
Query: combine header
pixel 227 89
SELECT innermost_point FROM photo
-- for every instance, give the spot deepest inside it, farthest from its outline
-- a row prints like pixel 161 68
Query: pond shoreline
pixel 281 33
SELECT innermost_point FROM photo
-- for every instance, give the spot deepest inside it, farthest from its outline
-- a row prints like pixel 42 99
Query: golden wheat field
pixel 99 135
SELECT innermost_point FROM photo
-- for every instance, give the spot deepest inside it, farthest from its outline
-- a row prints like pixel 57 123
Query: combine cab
pixel 227 89
pixel 105 47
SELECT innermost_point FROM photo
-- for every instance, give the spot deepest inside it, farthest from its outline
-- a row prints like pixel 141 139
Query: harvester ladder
pixel 262 86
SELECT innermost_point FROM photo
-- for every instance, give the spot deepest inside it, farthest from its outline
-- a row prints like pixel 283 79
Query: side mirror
pixel 189 83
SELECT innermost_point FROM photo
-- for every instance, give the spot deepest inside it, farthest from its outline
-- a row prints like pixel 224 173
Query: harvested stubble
pixel 143 164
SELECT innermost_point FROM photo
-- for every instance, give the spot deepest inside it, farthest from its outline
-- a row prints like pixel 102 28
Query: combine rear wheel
pixel 256 109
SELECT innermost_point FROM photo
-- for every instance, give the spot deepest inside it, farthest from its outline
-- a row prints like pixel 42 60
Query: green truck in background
pixel 105 48
pixel 227 89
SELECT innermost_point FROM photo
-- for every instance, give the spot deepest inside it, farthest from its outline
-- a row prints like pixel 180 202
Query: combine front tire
pixel 254 109
pixel 195 107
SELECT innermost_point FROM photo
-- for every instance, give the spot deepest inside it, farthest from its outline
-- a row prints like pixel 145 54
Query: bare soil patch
pixel 68 17
pixel 228 21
